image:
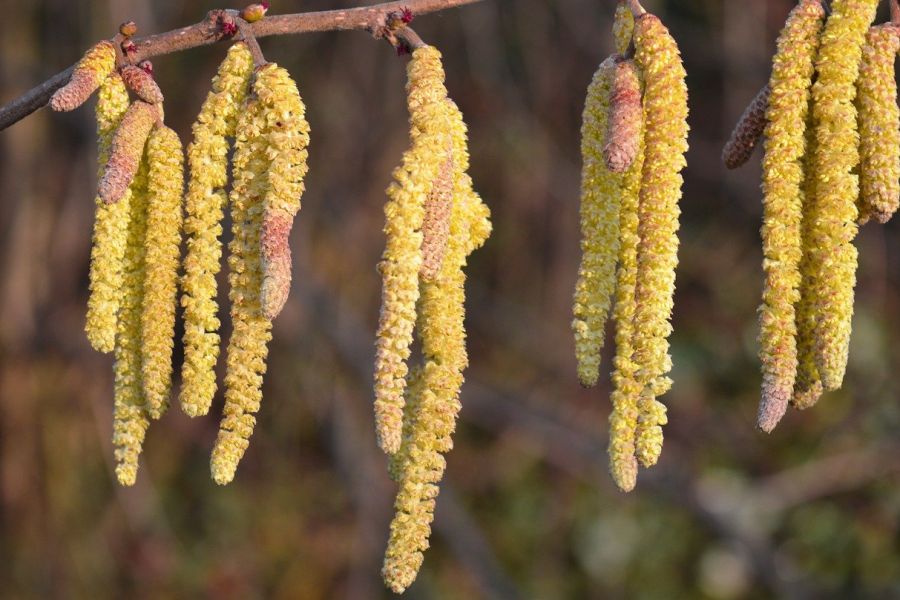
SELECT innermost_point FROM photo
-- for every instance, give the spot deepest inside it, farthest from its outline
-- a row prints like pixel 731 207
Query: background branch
pixel 364 18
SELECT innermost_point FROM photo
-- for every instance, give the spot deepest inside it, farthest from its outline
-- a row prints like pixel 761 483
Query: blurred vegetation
pixel 527 509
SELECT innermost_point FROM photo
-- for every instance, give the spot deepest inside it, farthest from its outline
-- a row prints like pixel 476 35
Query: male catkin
pixel 785 146
pixel 833 255
pixel 204 204
pixel 91 71
pixel 665 126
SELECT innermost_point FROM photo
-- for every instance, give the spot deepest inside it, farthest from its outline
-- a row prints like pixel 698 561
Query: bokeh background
pixel 527 509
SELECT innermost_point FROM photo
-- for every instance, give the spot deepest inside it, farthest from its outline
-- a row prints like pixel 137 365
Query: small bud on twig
pixel 254 12
pixel 128 28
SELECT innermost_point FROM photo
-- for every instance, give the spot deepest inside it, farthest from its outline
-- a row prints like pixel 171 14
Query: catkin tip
pixel 747 132
pixel 772 406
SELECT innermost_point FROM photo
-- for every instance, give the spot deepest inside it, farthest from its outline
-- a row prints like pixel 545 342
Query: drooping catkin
pixel 626 390
pixel 164 192
pixel 245 361
pixel 91 71
pixel 833 255
pixel 436 222
pixel 600 193
pixel 785 146
pixel 748 131
pixel 402 257
pixel 110 227
pixel 288 139
pixel 665 126
pixel 808 384
pixel 142 84
pixel 430 419
pixel 624 122
pixel 127 149
pixel 204 204
pixel 623 27
pixel 130 417
pixel 879 124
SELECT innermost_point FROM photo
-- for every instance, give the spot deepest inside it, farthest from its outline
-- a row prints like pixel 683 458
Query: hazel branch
pixel 208 31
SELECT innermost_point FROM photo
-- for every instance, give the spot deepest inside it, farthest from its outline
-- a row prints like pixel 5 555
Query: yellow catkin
pixel 130 417
pixel 288 139
pixel 110 227
pixel 833 254
pixel 204 205
pixel 785 146
pixel 626 390
pixel 402 257
pixel 93 68
pixel 164 192
pixel 600 192
pixel 808 384
pixel 879 125
pixel 434 389
pixel 623 27
pixel 624 123
pixel 665 126
pixel 748 131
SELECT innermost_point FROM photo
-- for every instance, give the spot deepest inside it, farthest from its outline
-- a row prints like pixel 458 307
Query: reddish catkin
pixel 94 67
pixel 624 124
pixel 142 84
pixel 747 132
pixel 127 149
pixel 436 223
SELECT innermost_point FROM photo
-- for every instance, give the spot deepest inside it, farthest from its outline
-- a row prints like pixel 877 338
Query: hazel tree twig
pixel 209 31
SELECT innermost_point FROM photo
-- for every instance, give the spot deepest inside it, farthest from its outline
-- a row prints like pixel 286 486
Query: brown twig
pixel 208 31
pixel 246 34
pixel 636 9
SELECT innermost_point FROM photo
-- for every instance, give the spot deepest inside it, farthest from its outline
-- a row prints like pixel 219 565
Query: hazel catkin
pixel 624 122
pixel 748 131
pixel 879 125
pixel 93 68
pixel 165 181
pixel 127 150
pixel 785 146
pixel 142 84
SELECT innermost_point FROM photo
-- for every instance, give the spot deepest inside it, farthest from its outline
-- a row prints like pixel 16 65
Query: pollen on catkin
pixel 626 390
pixel 665 126
pixel 247 346
pixel 110 227
pixel 127 149
pixel 834 257
pixel 93 68
pixel 204 205
pixel 130 417
pixel 624 122
pixel 600 194
pixel 164 192
pixel 785 146
pixel 879 124
pixel 402 258
pixel 748 131
pixel 142 84
pixel 433 389
pixel 288 139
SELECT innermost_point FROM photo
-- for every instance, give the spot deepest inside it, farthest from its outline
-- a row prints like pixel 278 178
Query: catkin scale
pixel 879 125
pixel 665 123
pixel 785 146
pixel 110 227
pixel 127 149
pixel 832 253
pixel 91 71
pixel 204 205
pixel 748 131
pixel 624 122
pixel 163 238
pixel 402 257
pixel 599 214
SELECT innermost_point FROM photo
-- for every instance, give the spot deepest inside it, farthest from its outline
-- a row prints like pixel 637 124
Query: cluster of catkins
pixel 830 127
pixel 634 137
pixel 434 220
pixel 138 231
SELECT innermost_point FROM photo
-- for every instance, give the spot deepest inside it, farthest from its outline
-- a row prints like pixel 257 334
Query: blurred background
pixel 526 509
